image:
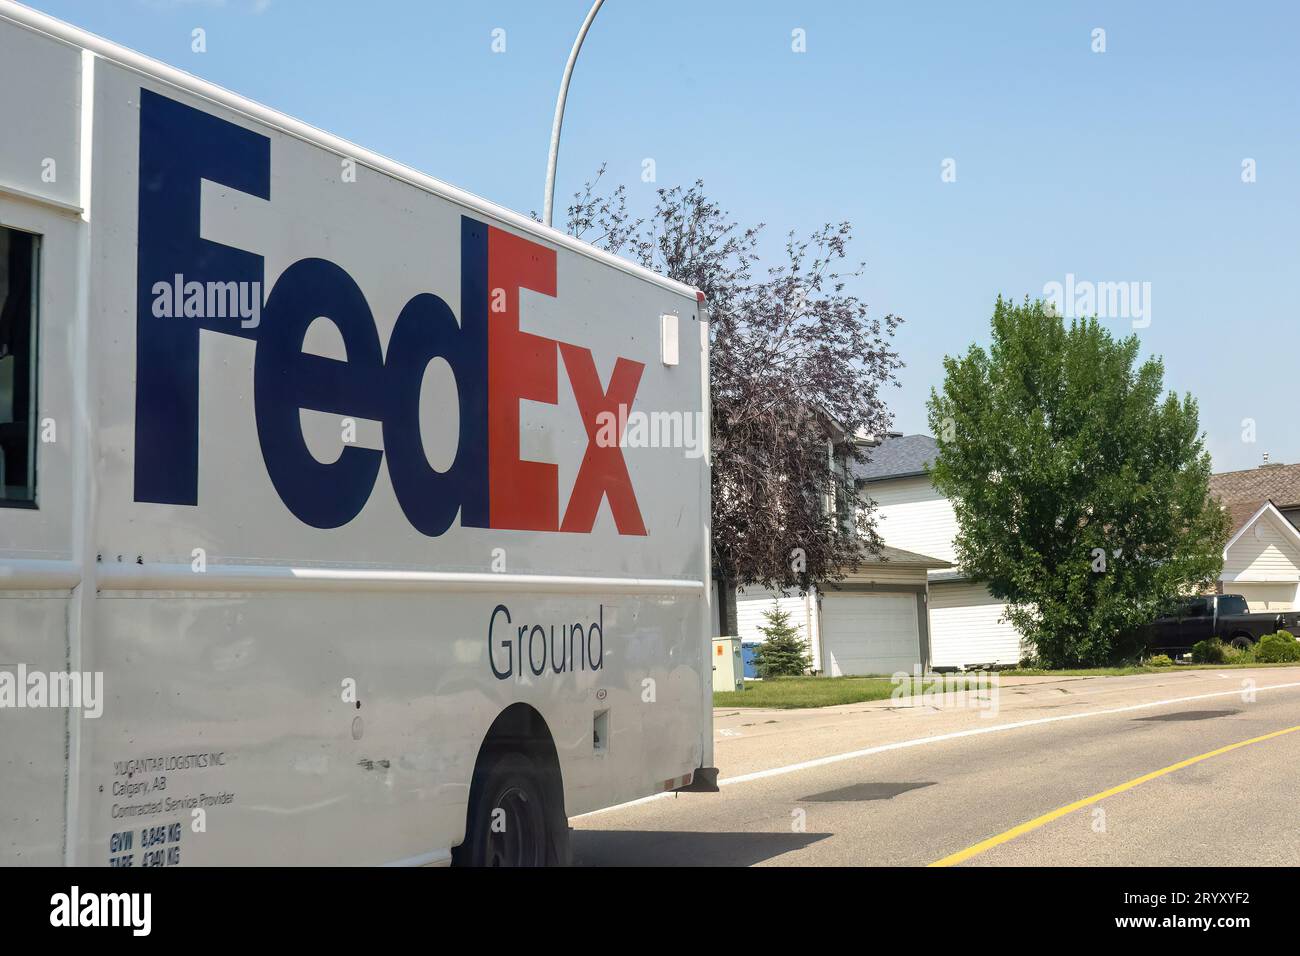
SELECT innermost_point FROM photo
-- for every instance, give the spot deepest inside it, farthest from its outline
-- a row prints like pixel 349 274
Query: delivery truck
pixel 346 518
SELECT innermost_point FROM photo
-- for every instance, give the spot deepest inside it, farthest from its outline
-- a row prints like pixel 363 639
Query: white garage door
pixel 868 632
pixel 966 627
pixel 1264 597
pixel 753 605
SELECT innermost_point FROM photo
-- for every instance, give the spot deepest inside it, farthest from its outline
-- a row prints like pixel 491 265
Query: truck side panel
pixel 299 665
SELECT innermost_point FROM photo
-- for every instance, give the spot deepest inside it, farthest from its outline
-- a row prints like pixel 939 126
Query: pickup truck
pixel 1225 616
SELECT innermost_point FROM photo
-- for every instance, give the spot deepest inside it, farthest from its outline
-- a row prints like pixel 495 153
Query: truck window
pixel 1197 607
pixel 1233 604
pixel 18 252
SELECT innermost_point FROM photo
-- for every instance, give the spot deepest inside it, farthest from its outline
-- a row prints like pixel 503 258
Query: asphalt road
pixel 1033 784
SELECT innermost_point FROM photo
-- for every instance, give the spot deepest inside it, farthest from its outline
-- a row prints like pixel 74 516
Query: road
pixel 1188 768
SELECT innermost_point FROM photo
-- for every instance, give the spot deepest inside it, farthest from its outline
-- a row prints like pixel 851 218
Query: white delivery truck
pixel 323 536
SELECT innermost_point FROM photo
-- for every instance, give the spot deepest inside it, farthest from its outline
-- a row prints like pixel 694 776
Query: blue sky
pixel 1122 166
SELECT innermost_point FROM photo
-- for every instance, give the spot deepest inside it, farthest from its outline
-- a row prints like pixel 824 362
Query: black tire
pixel 515 816
pixel 1241 642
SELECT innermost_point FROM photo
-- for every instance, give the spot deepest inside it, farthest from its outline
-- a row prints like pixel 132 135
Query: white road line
pixel 920 741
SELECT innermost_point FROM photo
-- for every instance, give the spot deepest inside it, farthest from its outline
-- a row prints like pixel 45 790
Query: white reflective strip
pixel 129 576
pixel 38 574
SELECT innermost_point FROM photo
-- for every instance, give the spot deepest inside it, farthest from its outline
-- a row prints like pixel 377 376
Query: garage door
pixel 869 633
pixel 1264 597
pixel 753 605
pixel 966 627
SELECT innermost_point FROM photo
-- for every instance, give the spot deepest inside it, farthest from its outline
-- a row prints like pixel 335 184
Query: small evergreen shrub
pixel 784 652
pixel 1160 660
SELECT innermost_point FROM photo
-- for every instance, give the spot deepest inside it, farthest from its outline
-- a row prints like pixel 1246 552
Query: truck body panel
pixel 329 490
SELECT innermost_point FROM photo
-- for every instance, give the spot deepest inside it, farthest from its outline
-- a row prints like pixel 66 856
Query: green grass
pixel 799 692
pixel 1129 669
pixel 791 693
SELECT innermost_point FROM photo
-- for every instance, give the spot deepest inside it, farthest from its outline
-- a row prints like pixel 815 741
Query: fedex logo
pixel 496 364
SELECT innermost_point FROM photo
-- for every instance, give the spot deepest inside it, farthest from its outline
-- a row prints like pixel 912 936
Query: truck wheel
pixel 1241 642
pixel 513 819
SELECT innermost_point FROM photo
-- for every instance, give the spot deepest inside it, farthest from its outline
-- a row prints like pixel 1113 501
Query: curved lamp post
pixel 549 204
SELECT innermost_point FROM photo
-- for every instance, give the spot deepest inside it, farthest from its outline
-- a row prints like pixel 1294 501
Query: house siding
pixel 912 515
pixel 966 622
pixel 967 626
pixel 1267 597
pixel 1266 556
pixel 1263 564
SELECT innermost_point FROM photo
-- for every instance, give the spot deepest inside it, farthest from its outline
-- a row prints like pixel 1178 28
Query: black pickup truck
pixel 1225 616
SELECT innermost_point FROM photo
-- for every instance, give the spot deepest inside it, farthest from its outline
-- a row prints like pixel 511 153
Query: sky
pixel 977 149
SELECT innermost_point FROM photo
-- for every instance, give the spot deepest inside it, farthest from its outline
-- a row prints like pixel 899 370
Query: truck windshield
pixel 1233 604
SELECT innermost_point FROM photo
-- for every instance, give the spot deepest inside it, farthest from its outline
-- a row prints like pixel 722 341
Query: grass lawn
pixel 799 692
pixel 1132 669
pixel 796 692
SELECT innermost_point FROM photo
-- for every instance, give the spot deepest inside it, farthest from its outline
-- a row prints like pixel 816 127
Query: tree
pixel 797 370
pixel 783 653
pixel 1081 495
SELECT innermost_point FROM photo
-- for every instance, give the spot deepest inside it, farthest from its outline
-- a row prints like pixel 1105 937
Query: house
pixel 873 621
pixel 912 606
pixel 1261 561
pixel 866 624
pixel 967 624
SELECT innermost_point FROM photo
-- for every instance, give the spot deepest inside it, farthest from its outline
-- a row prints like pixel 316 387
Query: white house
pixel 967 624
pixel 912 607
pixel 1262 559
pixel 873 621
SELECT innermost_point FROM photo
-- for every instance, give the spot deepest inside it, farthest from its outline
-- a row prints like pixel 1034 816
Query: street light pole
pixel 549 205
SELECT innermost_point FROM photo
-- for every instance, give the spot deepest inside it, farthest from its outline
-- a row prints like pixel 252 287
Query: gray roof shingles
pixel 898 456
pixel 1278 483
pixel 901 558
pixel 1242 493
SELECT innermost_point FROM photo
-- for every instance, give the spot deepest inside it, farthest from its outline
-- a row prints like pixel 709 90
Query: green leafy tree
pixel 783 653
pixel 1081 490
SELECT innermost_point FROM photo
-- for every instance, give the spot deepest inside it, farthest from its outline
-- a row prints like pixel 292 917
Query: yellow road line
pixel 964 855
